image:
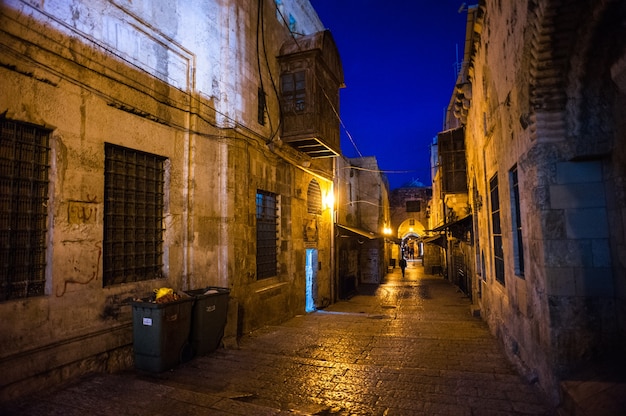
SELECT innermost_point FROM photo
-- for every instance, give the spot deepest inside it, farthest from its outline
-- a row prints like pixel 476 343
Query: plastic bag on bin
pixel 159 293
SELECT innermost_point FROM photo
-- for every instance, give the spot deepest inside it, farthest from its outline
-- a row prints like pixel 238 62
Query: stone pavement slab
pixel 406 347
pixel 596 391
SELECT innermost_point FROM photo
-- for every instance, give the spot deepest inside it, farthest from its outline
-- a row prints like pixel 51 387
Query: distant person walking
pixel 403 265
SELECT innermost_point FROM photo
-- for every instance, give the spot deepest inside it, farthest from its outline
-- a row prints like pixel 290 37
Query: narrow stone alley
pixel 407 347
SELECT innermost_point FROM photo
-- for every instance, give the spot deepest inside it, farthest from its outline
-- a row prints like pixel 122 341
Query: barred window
pixel 24 166
pixel 518 244
pixel 266 234
pixel 413 206
pixel 496 230
pixel 133 215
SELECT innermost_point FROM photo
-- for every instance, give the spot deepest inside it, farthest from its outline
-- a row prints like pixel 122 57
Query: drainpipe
pixel 188 155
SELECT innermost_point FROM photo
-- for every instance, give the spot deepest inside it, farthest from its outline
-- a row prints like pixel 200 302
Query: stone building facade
pixel 540 107
pixel 449 244
pixel 143 147
pixel 449 247
pixel 362 215
pixel 410 213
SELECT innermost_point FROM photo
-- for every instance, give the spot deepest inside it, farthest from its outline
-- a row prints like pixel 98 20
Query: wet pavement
pixel 407 347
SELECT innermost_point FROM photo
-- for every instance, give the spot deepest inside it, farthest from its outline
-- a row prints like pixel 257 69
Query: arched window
pixel 314 198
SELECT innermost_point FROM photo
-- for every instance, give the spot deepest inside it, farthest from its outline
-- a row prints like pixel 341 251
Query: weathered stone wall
pixel 346 189
pixel 536 95
pixel 179 80
pixel 62 84
pixel 372 211
pixel 399 214
pixel 517 310
pixel 616 197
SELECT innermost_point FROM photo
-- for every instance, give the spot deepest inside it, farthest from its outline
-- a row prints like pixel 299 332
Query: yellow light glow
pixel 328 200
pixel 387 231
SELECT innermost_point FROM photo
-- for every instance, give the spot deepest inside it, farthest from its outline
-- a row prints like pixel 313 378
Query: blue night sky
pixel 399 68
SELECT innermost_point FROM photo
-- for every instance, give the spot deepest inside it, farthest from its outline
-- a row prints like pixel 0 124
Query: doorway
pixel 311 278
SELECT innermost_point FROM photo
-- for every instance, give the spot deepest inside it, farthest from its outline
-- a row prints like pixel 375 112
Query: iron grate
pixel 24 167
pixel 133 215
pixel 266 234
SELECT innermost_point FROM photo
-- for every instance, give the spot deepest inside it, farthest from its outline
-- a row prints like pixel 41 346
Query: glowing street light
pixel 328 200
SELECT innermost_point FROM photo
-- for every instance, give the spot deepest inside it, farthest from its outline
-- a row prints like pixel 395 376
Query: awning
pixel 439 240
pixel 461 229
pixel 359 231
pixel 447 225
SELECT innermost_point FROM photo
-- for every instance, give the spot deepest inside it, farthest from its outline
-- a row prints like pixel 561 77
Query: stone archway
pixel 409 232
pixel 411 226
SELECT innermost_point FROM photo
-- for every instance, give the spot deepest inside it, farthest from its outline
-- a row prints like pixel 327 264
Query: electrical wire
pixel 167 100
pixel 261 28
pixel 377 170
pixel 116 76
pixel 269 72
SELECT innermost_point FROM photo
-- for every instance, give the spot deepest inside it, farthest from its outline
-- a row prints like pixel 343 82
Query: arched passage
pixel 409 232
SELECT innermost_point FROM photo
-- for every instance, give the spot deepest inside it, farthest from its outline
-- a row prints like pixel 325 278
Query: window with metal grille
pixel 24 165
pixel 133 215
pixel 261 103
pixel 266 234
pixel 314 198
pixel 518 246
pixel 496 230
pixel 413 206
pixel 293 88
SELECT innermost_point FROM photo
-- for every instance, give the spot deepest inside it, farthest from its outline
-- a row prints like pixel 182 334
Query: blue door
pixel 311 278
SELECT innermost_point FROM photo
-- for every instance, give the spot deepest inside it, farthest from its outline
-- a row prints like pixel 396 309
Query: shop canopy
pixel 359 231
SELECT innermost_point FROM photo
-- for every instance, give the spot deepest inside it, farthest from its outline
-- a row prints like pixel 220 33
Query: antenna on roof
pixel 462 8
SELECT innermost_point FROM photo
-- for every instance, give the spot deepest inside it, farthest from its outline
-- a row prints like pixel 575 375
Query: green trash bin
pixel 208 318
pixel 161 334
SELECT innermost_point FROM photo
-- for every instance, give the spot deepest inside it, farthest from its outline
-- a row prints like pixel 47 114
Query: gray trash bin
pixel 208 318
pixel 161 334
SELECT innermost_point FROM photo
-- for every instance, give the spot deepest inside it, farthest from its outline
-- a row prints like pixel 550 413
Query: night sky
pixel 399 68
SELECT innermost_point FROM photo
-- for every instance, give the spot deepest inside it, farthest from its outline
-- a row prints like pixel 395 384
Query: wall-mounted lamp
pixel 328 201
pixel 387 230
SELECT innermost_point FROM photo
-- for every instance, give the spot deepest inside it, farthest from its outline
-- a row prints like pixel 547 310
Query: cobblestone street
pixel 407 347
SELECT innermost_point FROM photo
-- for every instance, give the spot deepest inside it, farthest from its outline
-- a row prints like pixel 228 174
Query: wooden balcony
pixel 311 75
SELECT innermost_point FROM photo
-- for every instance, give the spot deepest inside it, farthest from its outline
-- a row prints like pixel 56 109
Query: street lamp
pixel 328 200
